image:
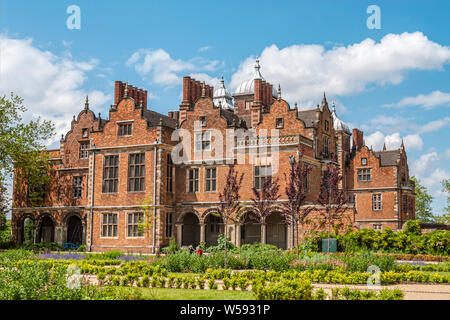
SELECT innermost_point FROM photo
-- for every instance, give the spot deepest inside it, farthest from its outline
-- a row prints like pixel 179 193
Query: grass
pixel 190 294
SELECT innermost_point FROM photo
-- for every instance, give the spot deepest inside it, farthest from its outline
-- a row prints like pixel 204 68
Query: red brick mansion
pixel 106 169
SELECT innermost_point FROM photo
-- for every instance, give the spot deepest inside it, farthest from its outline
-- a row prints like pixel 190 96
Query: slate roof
pixel 308 117
pixel 388 158
pixel 153 118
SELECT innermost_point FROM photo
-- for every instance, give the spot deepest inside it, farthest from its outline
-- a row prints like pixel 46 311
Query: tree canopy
pixel 423 202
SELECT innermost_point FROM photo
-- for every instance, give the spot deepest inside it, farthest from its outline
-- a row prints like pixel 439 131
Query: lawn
pixel 190 294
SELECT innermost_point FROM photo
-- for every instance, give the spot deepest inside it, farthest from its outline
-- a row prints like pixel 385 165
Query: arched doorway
pixel 250 231
pixel 28 230
pixel 47 230
pixel 276 231
pixel 214 227
pixel 74 230
pixel 190 230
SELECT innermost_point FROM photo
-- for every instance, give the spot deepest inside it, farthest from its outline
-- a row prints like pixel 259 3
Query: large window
pixel 84 153
pixel 125 129
pixel 260 174
pixel 214 224
pixel 377 202
pixel 169 177
pixel 203 141
pixel 364 175
pixel 110 174
pixel 193 180
pixel 109 225
pixel 77 187
pixel 210 179
pixel 326 150
pixel 169 225
pixel 133 221
pixel 136 172
pixel 404 203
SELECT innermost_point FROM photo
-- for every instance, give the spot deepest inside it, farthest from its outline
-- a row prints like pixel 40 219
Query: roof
pixel 388 158
pixel 308 117
pixel 229 116
pixel 338 124
pixel 153 118
pixel 222 96
pixel 248 87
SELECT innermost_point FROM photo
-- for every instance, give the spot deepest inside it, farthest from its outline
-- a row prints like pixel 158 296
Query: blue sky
pixel 391 82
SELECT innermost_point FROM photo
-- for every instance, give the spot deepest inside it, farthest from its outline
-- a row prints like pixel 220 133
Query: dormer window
pixel 279 123
pixel 85 133
pixel 125 129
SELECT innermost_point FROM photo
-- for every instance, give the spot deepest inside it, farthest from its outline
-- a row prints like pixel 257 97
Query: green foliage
pixel 412 227
pixel 298 289
pixel 423 202
pixel 355 294
pixel 112 254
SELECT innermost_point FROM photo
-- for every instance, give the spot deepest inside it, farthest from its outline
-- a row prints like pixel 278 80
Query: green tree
pixel 445 217
pixel 423 202
pixel 22 146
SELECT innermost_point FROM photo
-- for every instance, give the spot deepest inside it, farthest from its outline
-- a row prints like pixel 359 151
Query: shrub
pixel 298 289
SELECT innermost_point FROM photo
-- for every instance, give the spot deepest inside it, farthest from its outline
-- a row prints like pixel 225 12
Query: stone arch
pixel 214 227
pixel 188 211
pixel 46 225
pixel 26 235
pixel 277 230
pixel 190 228
pixel 250 230
pixel 74 228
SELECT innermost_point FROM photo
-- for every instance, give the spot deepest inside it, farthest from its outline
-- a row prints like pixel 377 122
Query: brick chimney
pixel 192 90
pixel 358 139
pixel 133 92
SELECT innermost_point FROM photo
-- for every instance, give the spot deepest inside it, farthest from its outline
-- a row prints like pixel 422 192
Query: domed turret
pixel 338 123
pixel 222 96
pixel 248 87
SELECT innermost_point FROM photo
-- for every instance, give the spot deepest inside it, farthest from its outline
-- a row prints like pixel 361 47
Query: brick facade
pixel 181 196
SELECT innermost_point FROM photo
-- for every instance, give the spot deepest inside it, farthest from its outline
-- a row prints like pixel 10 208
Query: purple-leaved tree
pixel 295 211
pixel 230 207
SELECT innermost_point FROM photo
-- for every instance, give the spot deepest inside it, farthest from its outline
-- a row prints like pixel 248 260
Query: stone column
pixel 59 236
pixel 202 232
pixel 238 235
pixel 179 233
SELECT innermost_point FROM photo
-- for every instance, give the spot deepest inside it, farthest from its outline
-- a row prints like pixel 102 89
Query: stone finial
pixel 73 119
pixel 141 104
pixel 333 105
pixel 203 89
pixel 403 145
pixel 99 115
pixel 86 103
pixel 126 91
pixel 324 99
pixel 279 92
pixel 160 121
pixel 62 137
pixel 220 103
pixel 384 146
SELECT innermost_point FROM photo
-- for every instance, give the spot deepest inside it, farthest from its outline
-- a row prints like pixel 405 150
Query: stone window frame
pixel 114 180
pixel 260 177
pixel 364 163
pixel 196 187
pixel 362 175
pixel 211 179
pixel 168 228
pixel 326 145
pixel 202 121
pixel 377 202
pixel 128 126
pixel 327 125
pixel 84 150
pixel 377 226
pixel 114 225
pixel 169 174
pixel 279 123
pixel 134 165
pixel 135 224
pixel 204 142
pixel 77 187
pixel 404 203
pixel 214 224
pixel 85 133
pixel 249 104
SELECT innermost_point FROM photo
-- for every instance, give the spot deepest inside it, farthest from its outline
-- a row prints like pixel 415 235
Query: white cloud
pixel 205 48
pixel 51 86
pixel 305 71
pixel 212 81
pixel 393 141
pixel 433 181
pixel 159 67
pixel 434 125
pixel 429 101
pixel 422 165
